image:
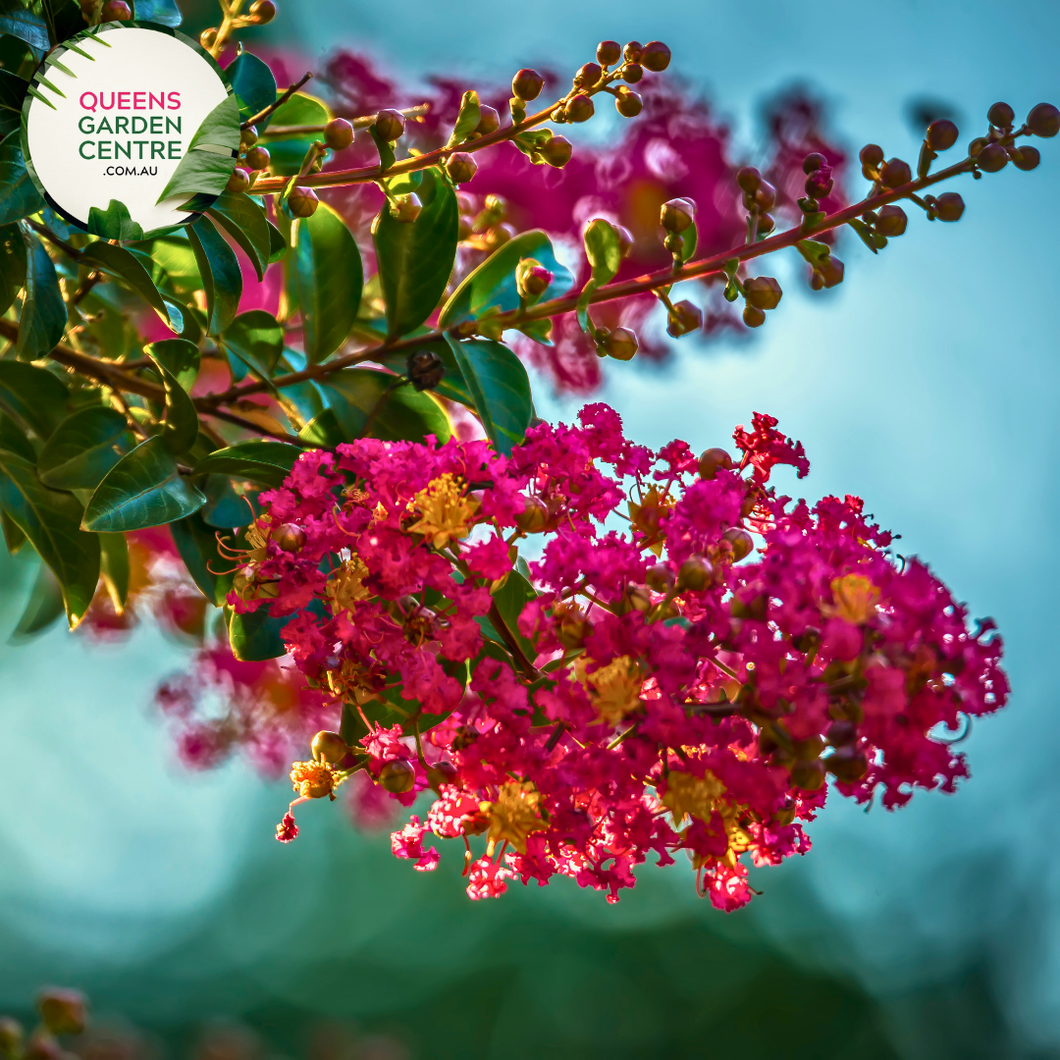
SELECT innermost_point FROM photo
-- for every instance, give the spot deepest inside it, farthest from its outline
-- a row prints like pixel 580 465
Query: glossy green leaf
pixel 211 156
pixel 179 357
pixel 511 598
pixel 114 567
pixel 16 55
pixel 12 265
pixel 255 635
pixel 394 413
pixel 34 396
pixel 245 221
pixel 83 448
pixel 221 278
pixel 143 489
pixel 44 607
pixel 14 539
pixel 288 152
pixel 384 147
pixel 12 93
pixel 603 250
pixel 18 195
pixel 277 243
pixel 500 387
pixel 468 118
pixel 689 242
pixel 175 268
pixel 14 438
pixel 256 338
pixel 260 461
pixel 197 544
pixel 491 288
pixel 164 12
pixel 416 260
pixel 226 509
pixel 43 318
pixel 127 266
pixel 328 277
pixel 181 426
pixel 27 24
pixel 253 84
pixel 50 520
pixel 115 222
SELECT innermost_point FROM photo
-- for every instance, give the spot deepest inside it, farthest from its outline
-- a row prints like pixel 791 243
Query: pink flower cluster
pixel 685 665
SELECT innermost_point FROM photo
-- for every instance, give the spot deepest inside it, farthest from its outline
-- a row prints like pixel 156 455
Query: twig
pixel 280 101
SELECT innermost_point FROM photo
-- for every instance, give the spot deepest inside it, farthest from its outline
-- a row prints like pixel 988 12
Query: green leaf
pixel 245 221
pixel 114 222
pixel 83 448
pixel 143 489
pixel 44 607
pixel 813 251
pixel 384 147
pixel 689 241
pixel 603 250
pixel 179 357
pixel 260 461
pixel 175 268
pixel 287 153
pixel 181 426
pixel 164 12
pixel 500 387
pixel 220 273
pixel 211 155
pixel 13 265
pixel 277 243
pixel 114 566
pixel 44 316
pixel 328 279
pixel 27 24
pixel 34 396
pixel 492 288
pixel 256 338
pixel 416 260
pixel 13 537
pixel 255 635
pixel 12 93
pixel 254 86
pixel 511 598
pixel 400 414
pixel 126 266
pixel 865 234
pixel 18 194
pixel 468 118
pixel 197 544
pixel 16 55
pixel 50 520
pixel 226 509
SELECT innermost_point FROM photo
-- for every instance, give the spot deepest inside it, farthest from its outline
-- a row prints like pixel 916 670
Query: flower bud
pixel 461 167
pixel 673 243
pixel 1025 157
pixel 634 598
pixel 497 235
pixel 819 182
pixel 976 146
pixel 831 271
pixel 573 627
pixel 894 173
pixel 695 574
pixel 441 773
pixel 620 343
pixel 1000 115
pixel 633 51
pixel 753 317
pixel 262 12
pixel 891 221
pixel 289 537
pixel 425 369
pixel 534 516
pixel 302 202
pixel 677 214
pixel 871 155
pixel 1044 120
pixel 711 460
pixel 63 1011
pixel 587 76
pixel 258 158
pixel 329 747
pixel 489 120
pixel 116 11
pixel 949 206
pixel 808 775
pixel 531 278
pixel 579 108
pixel 941 135
pixel 248 137
pixel 765 196
pixel 842 732
pixel 766 224
pixel 390 125
pixel 608 52
pixel 527 85
pixel 992 159
pixel 406 208
pixel 660 578
pixel 557 152
pixel 763 292
pixel 655 56
pixel 741 542
pixel 338 134
pixel 632 73
pixel 10 1037
pixel 628 103
pixel 208 37
pixel 685 318
pixel 748 179
pixel 397 776
pixel 847 764
pixel 813 162
pixel 239 181
pixel 625 240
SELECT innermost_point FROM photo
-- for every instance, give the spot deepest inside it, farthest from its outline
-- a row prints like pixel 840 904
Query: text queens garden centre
pixel 146 136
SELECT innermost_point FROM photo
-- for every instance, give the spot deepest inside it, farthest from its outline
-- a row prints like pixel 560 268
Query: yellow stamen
pixel 514 815
pixel 443 509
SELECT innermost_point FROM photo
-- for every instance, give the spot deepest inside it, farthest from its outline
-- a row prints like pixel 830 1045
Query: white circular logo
pixel 130 128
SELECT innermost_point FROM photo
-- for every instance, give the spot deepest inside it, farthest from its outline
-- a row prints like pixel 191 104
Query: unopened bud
pixel 677 214
pixel 894 173
pixel 891 221
pixel 620 343
pixel 497 235
pixel 871 155
pixel 63 1011
pixel 531 279
pixel 634 598
pixel 711 461
pixel 685 318
pixel 660 578
pixel 632 73
pixel 942 135
pixel 741 542
pixel 949 206
pixel 992 159
pixel 239 181
pixel 608 52
pixel 1044 120
pixel 673 243
pixel 695 574
pixel 1000 115
pixel 262 12
pixel 813 162
pixel 406 208
pixel 842 732
pixel 425 369
pixel 258 158
pixel 753 317
pixel 766 196
pixel 489 120
pixel 847 764
pixel 390 125
pixel 527 85
pixel 397 776
pixel 557 152
pixel 248 137
pixel 1025 157
pixel 748 179
pixel 579 108
pixel 573 627
pixel 441 773
pixel 625 240
pixel 763 292
pixel 766 223
pixel 461 167
pixel 819 182
pixel 587 76
pixel 808 775
pixel 289 537
pixel 302 202
pixel 338 134
pixel 208 37
pixel 329 747
pixel 633 51
pixel 655 56
pixel 976 146
pixel 116 11
pixel 534 516
pixel 628 103
pixel 831 270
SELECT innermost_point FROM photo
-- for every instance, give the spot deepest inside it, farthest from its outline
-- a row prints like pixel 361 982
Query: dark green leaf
pixel 500 387
pixel 50 520
pixel 288 153
pixel 179 357
pixel 254 86
pixel 245 221
pixel 114 566
pixel 256 338
pixel 603 250
pixel 143 489
pixel 226 509
pixel 277 243
pixel 384 147
pixel 12 92
pixel 511 598
pixel 326 430
pixel 397 413
pixel 219 268
pixel 115 222
pixel 260 461
pixel 34 396
pixel 18 195
pixel 492 287
pixel 164 12
pixel 14 438
pixel 211 155
pixel 27 24
pixel 83 448
pixel 415 260
pixel 13 536
pixel 181 427
pixel 865 234
pixel 197 544
pixel 16 56
pixel 12 265
pixel 255 635
pixel 44 607
pixel 43 318
pixel 127 266
pixel 328 277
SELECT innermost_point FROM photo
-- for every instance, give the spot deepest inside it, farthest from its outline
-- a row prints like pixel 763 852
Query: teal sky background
pixel 927 384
